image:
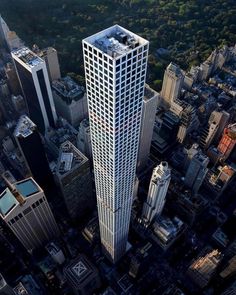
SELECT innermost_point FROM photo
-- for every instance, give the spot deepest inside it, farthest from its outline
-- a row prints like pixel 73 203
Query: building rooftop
pixel 27 56
pixel 52 248
pixel 149 93
pixel 27 187
pixel 79 270
pixel 172 67
pixel 115 41
pixel 25 127
pixel 69 158
pixel 21 190
pixel 68 89
pixel 7 202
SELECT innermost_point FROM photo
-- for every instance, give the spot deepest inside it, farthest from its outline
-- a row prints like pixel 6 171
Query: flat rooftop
pixel 115 41
pixel 27 187
pixel 27 56
pixel 149 93
pixel 68 88
pixel 69 158
pixel 7 202
pixel 80 270
pixel 24 127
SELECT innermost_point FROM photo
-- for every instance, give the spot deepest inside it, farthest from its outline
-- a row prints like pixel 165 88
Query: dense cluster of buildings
pixel 111 187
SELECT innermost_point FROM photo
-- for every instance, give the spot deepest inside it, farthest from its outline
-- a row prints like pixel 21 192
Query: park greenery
pixel 187 30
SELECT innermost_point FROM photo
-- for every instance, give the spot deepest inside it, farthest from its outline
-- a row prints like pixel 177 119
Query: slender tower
pixel 33 76
pixel 115 63
pixel 157 192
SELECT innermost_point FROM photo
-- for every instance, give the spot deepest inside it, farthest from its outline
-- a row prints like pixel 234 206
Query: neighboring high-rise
pixel 49 54
pixel 157 192
pixel 74 179
pixel 70 100
pixel 33 76
pixel 172 84
pixel 24 208
pixel 150 101
pixel 228 141
pixel 115 63
pixel 197 171
pixel 30 144
pixel 210 132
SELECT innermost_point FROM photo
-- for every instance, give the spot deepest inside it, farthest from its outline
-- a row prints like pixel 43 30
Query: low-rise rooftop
pixel 27 56
pixel 69 158
pixel 68 89
pixel 25 127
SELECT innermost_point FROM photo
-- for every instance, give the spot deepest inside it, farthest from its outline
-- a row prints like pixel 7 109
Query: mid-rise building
pixel 74 179
pixel 157 192
pixel 172 84
pixel 31 146
pixel 227 142
pixel 33 76
pixel 189 122
pixel 70 100
pixel 150 102
pixel 196 172
pixel 210 132
pixel 203 269
pixel 115 63
pixel 49 55
pixel 25 210
pixel 82 276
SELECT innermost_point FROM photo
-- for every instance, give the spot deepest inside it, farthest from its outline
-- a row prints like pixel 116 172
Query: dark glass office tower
pixel 34 80
pixel 31 147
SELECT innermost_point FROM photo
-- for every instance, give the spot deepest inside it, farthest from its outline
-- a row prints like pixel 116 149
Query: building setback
pixel 115 63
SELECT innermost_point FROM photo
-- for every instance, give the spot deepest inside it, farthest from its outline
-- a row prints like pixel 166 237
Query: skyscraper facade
pixel 157 192
pixel 24 208
pixel 34 80
pixel 31 146
pixel 74 179
pixel 197 171
pixel 115 66
pixel 150 101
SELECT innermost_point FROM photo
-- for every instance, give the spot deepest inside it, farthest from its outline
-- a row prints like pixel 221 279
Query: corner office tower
pixel 115 66
pixel 34 80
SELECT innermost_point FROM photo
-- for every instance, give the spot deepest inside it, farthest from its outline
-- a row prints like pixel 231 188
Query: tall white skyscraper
pixel 157 192
pixel 115 63
pixel 33 76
